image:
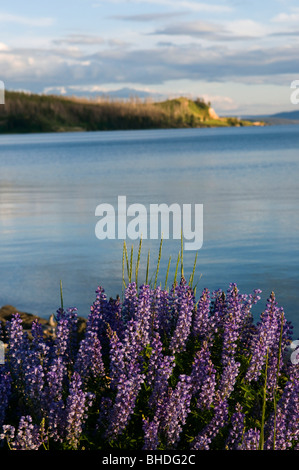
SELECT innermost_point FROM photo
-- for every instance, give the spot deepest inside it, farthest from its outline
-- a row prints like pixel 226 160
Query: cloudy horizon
pixel 241 56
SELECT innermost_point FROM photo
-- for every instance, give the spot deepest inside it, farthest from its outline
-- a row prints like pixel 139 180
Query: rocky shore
pixel 7 311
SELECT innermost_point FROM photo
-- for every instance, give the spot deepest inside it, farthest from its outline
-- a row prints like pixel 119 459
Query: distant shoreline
pixel 25 113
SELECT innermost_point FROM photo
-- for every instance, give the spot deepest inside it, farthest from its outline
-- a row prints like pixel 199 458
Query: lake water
pixel 50 184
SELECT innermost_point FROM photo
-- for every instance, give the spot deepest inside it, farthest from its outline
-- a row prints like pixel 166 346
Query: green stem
pixel 147 267
pixel 176 269
pixel 193 272
pixel 158 264
pixel 138 261
pixel 167 272
pixel 262 437
pixel 182 255
pixel 123 269
pixel 131 264
pixel 61 296
pixel 277 376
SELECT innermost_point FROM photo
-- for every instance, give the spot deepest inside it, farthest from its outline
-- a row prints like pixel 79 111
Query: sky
pixel 242 56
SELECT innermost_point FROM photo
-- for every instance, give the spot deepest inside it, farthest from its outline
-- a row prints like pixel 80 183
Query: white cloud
pixel 38 68
pixel 3 47
pixel 226 31
pixel 61 90
pixel 186 4
pixel 79 39
pixel 287 17
pixel 25 20
pixel 247 28
pixel 221 103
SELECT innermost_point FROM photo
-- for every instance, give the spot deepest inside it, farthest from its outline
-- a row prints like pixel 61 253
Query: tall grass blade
pixel 167 272
pixel 131 264
pixel 177 267
pixel 127 258
pixel 147 267
pixel 158 263
pixel 277 377
pixel 182 255
pixel 61 296
pixel 138 261
pixel 123 269
pixel 262 435
pixel 193 272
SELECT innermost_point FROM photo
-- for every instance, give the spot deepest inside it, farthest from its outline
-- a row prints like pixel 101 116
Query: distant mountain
pixel 122 93
pixel 126 93
pixel 285 117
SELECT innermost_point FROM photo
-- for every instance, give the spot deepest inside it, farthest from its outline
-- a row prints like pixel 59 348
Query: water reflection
pixel 50 185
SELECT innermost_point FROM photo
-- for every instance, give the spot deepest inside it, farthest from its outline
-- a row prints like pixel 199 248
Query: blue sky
pixel 240 55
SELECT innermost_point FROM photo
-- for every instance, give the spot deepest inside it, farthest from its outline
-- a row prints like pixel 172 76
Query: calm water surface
pixel 50 184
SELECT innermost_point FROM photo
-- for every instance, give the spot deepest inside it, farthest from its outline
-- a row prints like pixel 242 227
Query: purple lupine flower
pixel 56 420
pixel 163 370
pixel 117 364
pixel 8 434
pixel 151 437
pixel 27 437
pixel 292 432
pixel 53 403
pixel 95 317
pixel 153 363
pixel 236 431
pixel 33 385
pixel 266 338
pixel 217 311
pixel 173 303
pixel 77 405
pixel 237 321
pixel 54 379
pixel 250 440
pixel 132 342
pixel 248 328
pixel 203 377
pixel 130 302
pixel 143 315
pixel 125 373
pixel 89 361
pixel 18 344
pixel 210 431
pixel 232 322
pixel 5 392
pixel 201 324
pixel 280 425
pixel 155 305
pixel 164 314
pixel 62 336
pixel 228 378
pixel 39 348
pixel 287 417
pixel 114 315
pixel 137 334
pixel 184 321
pixel 159 368
pixel 128 387
pixel 275 369
pixel 177 408
pixel 106 405
pixel 66 334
